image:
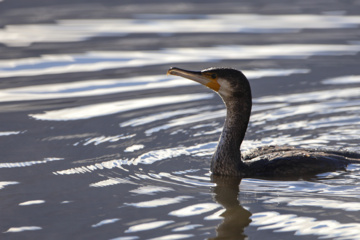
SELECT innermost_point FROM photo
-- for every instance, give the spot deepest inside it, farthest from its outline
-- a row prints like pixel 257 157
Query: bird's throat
pixel 227 157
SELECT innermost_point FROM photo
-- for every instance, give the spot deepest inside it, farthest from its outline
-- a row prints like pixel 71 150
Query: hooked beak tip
pixel 172 71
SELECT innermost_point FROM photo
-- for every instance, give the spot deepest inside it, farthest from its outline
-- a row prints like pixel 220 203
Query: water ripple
pixel 102 109
pixel 305 225
pixel 103 139
pixel 173 237
pixel 342 80
pixel 195 209
pixel 344 187
pixel 71 30
pixel 9 133
pixel 151 190
pixel 187 227
pixel 147 226
pixel 159 202
pixel 22 229
pixel 318 96
pixel 28 164
pixel 7 183
pixel 134 148
pixel 111 182
pixel 101 60
pixel 111 86
pixel 161 116
pixel 105 222
pixel 32 202
pixel 89 88
pixel 199 117
pixel 150 166
pixel 317 202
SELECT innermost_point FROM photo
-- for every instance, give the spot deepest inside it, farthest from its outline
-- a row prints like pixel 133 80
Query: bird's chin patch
pixel 225 88
pixel 224 93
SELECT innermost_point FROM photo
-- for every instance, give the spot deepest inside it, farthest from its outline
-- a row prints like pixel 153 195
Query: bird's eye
pixel 213 76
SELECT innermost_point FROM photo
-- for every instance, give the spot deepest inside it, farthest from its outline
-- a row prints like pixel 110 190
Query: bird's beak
pixel 197 76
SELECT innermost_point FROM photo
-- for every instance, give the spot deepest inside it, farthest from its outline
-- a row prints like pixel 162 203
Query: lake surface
pixel 97 142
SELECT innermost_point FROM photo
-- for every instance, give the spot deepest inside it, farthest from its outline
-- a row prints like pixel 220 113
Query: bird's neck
pixel 227 157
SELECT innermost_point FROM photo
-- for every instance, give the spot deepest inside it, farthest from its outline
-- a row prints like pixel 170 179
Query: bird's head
pixel 227 82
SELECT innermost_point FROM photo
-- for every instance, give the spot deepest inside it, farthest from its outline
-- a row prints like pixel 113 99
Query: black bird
pixel 270 161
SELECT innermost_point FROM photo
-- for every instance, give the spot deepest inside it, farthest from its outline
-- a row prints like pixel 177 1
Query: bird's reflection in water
pixel 236 218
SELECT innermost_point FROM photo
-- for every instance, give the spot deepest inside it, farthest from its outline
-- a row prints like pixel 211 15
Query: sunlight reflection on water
pixel 101 60
pixel 316 202
pixel 195 209
pixel 80 30
pixel 27 164
pixel 97 110
pixel 159 202
pixel 24 228
pixel 305 225
pixel 343 80
pixel 111 86
pixel 147 226
pixel 4 184
pixel 106 221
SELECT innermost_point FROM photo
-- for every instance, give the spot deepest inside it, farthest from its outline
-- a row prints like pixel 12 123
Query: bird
pixel 263 162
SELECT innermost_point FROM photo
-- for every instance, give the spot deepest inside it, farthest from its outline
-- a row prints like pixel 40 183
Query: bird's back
pixel 290 162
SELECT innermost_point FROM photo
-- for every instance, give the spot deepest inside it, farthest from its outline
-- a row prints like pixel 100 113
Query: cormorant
pixel 270 161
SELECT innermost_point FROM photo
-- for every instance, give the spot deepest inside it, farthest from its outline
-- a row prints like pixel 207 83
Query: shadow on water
pixel 236 217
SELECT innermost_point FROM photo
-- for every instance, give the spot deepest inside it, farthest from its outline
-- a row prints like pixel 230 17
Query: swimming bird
pixel 268 161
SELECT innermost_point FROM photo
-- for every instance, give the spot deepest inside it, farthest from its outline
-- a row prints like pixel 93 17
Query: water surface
pixel 98 143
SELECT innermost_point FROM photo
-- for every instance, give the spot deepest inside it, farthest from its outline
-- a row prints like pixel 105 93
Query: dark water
pixel 98 143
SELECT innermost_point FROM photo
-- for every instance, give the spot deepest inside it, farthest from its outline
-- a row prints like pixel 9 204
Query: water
pixel 98 143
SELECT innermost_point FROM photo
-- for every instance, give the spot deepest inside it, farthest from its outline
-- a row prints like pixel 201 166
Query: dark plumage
pixel 272 161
